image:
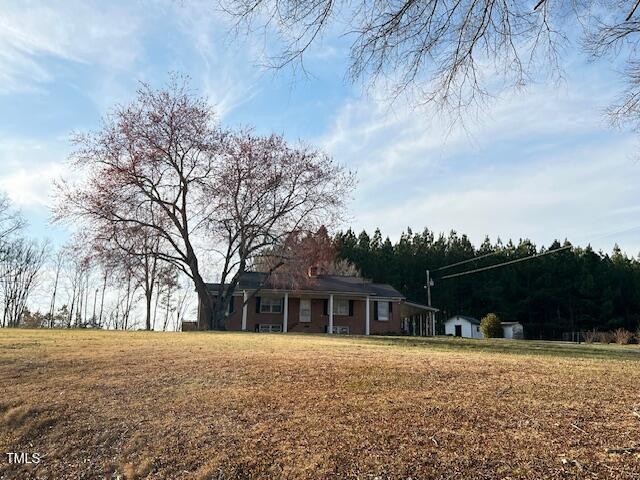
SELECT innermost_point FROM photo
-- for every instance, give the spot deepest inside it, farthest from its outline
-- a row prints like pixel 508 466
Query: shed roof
pixel 475 321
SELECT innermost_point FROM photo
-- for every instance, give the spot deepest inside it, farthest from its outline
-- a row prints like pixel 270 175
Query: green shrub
pixel 490 326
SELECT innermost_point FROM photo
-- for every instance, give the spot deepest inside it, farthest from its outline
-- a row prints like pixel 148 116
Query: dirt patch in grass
pixel 232 405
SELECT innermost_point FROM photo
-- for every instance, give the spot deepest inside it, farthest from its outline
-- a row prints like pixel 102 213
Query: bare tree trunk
pixel 166 317
pixel 155 307
pixel 148 297
pixel 73 304
pixel 125 312
pixel 209 320
pixel 117 313
pixel 52 310
pixel 104 287
pixel 206 320
pixel 86 296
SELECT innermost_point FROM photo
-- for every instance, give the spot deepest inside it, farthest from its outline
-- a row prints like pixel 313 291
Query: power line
pixel 469 260
pixel 491 267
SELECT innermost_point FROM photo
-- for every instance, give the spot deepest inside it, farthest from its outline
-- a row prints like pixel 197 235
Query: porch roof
pixel 420 306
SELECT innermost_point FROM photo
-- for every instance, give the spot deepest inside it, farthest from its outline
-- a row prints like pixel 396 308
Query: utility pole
pixel 431 316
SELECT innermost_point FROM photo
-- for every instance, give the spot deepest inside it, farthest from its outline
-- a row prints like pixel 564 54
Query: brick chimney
pixel 313 271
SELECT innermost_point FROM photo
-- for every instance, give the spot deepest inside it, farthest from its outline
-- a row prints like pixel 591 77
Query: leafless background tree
pixel 11 222
pixel 291 260
pixel 19 273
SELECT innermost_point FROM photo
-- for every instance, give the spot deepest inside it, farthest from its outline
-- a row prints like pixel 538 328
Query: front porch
pixel 314 313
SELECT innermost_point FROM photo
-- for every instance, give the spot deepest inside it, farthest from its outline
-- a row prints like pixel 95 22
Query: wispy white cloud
pixel 540 163
pixel 31 33
pixel 26 187
pixel 226 71
pixel 29 169
pixel 573 194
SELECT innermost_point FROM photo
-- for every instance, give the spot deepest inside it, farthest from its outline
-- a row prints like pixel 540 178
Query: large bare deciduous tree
pixel 268 193
pixel 158 155
pixel 163 166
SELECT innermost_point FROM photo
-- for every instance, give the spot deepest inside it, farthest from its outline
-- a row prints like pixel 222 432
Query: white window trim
pixel 270 302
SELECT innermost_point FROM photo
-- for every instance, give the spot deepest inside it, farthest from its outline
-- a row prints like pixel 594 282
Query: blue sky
pixel 539 163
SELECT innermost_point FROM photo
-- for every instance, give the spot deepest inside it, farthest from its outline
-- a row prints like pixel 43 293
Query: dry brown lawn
pixel 236 405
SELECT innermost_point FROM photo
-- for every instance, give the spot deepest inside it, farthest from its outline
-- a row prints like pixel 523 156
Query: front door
pixel 458 330
pixel 305 310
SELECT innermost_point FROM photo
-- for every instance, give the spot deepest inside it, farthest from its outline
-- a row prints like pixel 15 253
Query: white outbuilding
pixel 463 326
pixel 512 330
pixel 469 327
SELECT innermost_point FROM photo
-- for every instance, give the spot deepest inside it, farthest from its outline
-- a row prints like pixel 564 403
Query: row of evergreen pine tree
pixel 576 289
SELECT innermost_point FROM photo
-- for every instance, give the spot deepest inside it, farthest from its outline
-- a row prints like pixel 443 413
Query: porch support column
pixel 285 322
pixel 330 329
pixel 367 318
pixel 244 310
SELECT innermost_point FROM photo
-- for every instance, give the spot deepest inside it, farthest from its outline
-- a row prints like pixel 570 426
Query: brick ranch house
pixel 323 304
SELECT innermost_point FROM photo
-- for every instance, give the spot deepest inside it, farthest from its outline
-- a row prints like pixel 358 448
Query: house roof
pixel 509 323
pixel 475 321
pixel 319 283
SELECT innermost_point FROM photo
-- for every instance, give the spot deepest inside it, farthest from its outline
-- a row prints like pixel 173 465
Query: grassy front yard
pixel 244 405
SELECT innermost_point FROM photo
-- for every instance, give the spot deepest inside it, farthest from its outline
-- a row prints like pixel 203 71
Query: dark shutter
pixel 390 308
pixel 257 304
pixel 282 305
pixel 351 308
pixel 375 310
pixel 232 305
pixel 326 306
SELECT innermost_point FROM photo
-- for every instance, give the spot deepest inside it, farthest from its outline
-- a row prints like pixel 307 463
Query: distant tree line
pixel 577 289
pixel 21 261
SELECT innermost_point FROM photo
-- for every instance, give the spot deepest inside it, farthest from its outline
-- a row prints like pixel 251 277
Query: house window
pixel 269 328
pixel 231 308
pixel 383 311
pixel 341 306
pixel 305 310
pixel 271 305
